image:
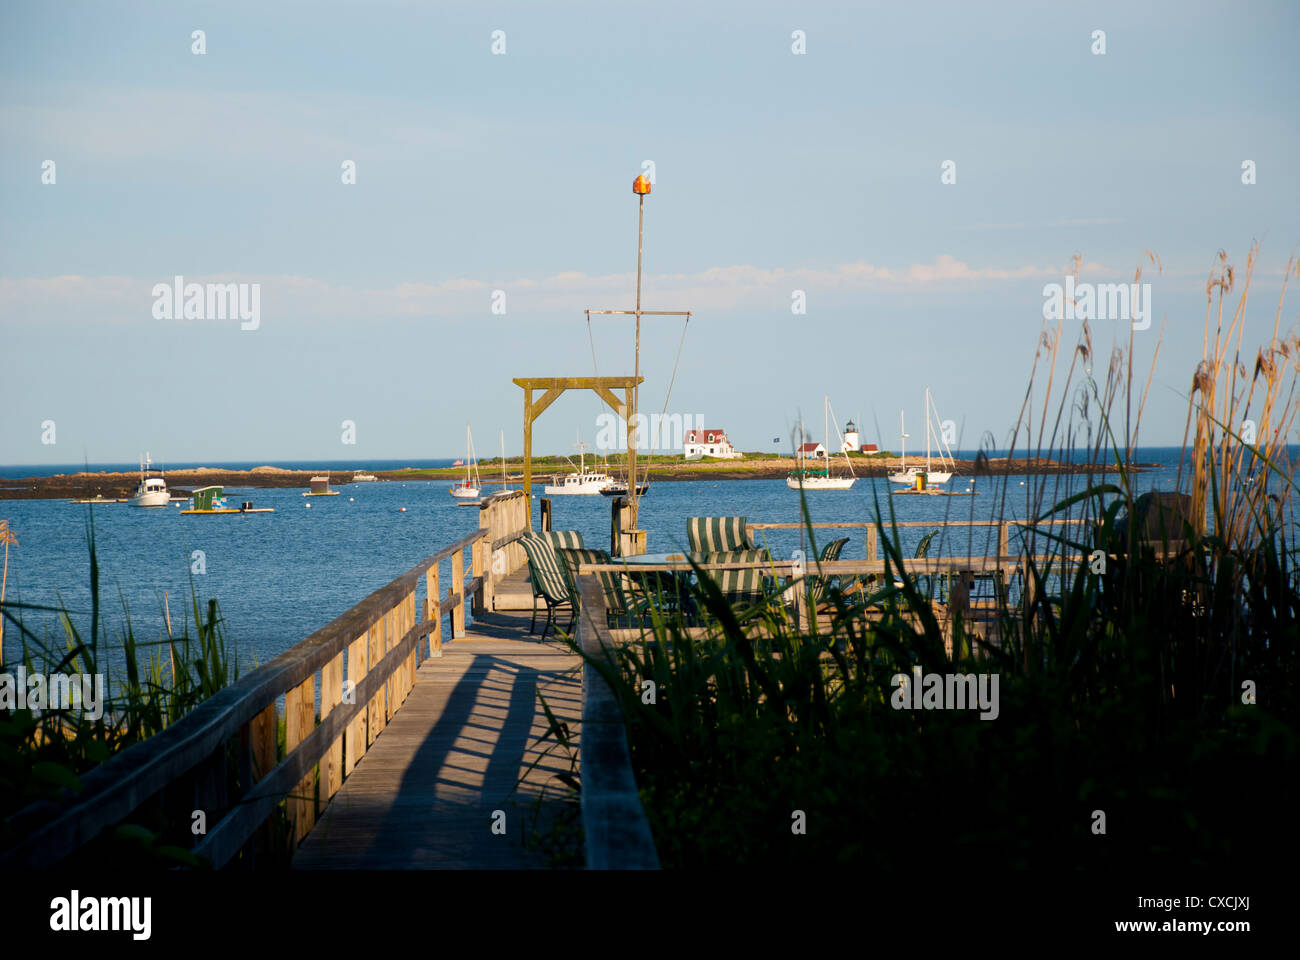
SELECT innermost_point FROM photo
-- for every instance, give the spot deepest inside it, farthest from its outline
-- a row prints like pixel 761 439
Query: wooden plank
pixel 331 765
pixel 426 794
pixel 225 840
pixel 111 791
pixel 300 720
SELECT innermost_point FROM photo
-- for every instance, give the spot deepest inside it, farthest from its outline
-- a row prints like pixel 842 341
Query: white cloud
pixel 715 289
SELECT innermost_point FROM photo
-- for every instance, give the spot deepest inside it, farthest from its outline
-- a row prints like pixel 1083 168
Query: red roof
pixel 809 447
pixel 705 436
pixel 869 448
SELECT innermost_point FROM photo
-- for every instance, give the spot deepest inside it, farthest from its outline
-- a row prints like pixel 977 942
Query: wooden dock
pixel 428 791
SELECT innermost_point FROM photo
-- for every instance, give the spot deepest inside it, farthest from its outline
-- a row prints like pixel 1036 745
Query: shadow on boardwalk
pixel 426 793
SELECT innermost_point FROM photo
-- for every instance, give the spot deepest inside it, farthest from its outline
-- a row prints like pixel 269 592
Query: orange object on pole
pixel 641 185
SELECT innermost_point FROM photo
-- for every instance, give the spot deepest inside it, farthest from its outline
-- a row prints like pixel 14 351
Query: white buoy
pixel 307 505
pixel 351 500
pixel 401 509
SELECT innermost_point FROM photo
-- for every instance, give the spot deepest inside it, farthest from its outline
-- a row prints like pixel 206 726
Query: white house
pixel 709 443
pixel 812 451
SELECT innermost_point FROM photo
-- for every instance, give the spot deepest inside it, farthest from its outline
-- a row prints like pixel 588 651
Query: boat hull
pixel 464 493
pixel 620 490
pixel 153 498
pixel 820 483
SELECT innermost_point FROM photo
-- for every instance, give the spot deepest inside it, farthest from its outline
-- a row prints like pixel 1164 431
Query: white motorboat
pixel 585 482
pixel 806 478
pixel 465 489
pixel 152 491
pixel 363 477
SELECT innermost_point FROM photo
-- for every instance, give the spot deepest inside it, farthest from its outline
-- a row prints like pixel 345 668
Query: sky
pixel 494 147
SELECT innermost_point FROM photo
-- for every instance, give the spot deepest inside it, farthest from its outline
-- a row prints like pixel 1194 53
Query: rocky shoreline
pixel 182 482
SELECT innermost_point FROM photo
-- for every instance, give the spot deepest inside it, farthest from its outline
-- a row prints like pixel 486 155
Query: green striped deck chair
pixel 819 585
pixel 563 539
pixel 616 599
pixel 741 587
pixel 558 539
pixel 715 534
pixel 549 579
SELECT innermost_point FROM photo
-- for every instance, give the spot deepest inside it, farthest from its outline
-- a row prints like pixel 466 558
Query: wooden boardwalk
pixel 426 793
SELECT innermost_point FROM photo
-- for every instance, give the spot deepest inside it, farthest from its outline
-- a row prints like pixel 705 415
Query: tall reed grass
pixel 1147 680
pixel 150 685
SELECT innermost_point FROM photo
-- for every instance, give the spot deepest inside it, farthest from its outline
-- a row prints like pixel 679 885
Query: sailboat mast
pixel 927 429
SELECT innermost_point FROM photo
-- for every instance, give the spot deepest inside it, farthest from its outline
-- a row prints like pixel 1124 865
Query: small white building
pixel 812 451
pixel 709 443
pixel 852 442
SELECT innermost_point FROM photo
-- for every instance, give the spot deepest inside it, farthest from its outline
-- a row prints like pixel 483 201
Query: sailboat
pixel 933 430
pixel 505 487
pixel 464 489
pixel 813 479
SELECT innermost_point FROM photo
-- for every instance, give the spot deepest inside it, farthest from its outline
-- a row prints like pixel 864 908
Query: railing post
pixel 872 549
pixel 544 524
pixel 490 522
pixel 331 695
pixel 478 570
pixel 456 591
pixel 375 708
pixel 433 604
pixel 355 736
pixel 261 760
pixel 1004 540
pixel 300 720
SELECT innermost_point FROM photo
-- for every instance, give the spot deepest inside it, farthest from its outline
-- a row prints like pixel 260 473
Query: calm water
pixel 280 576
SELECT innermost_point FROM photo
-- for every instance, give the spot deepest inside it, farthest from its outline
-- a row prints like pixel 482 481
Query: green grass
pixel 42 758
pixel 1122 692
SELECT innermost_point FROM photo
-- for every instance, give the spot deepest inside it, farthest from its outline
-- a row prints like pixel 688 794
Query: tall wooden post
pixel 528 452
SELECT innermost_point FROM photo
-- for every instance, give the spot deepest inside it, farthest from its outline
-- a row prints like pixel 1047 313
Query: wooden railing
pixel 377 646
pixel 873 551
pixel 616 833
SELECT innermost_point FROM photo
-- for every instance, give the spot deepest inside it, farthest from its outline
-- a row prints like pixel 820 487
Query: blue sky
pixel 479 172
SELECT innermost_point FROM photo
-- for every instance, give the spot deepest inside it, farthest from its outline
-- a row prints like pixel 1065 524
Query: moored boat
pixel 465 489
pixel 152 491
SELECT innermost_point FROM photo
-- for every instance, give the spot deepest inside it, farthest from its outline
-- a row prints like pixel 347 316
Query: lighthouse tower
pixel 852 443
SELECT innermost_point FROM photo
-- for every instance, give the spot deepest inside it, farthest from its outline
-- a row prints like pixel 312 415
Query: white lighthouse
pixel 852 443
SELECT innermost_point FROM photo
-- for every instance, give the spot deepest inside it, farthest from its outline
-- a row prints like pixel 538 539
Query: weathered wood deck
pixel 425 793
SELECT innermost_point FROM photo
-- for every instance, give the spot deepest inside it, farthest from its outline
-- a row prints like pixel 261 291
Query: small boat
pixel 464 489
pixel 208 501
pixel 152 491
pixel 585 482
pixel 907 475
pixel 618 488
pixel 807 478
pixel 363 477
pixel 320 487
